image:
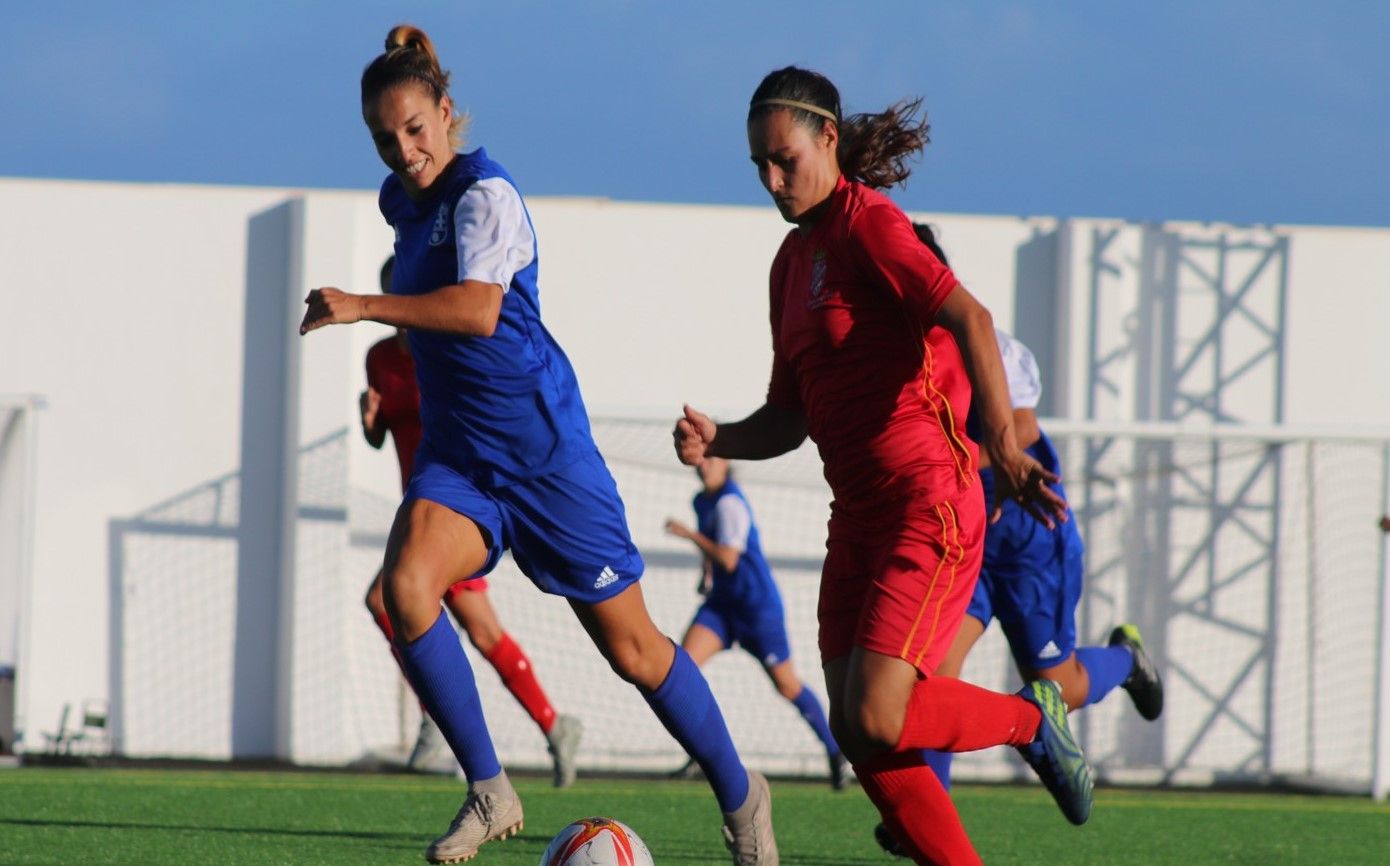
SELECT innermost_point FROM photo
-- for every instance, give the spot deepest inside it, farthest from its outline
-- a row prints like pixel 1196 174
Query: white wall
pixel 123 306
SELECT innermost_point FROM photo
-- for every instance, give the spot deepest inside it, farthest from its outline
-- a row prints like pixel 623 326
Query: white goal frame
pixel 19 437
pixel 1294 435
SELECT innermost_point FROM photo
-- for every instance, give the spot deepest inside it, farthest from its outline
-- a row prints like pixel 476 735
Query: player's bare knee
pixel 845 737
pixel 875 726
pixel 408 589
pixel 376 605
pixel 634 666
pixel 483 636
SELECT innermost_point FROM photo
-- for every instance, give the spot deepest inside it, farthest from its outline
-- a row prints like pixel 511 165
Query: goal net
pixel 1251 561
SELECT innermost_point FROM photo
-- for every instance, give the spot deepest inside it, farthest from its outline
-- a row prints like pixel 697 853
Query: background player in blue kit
pixel 1031 581
pixel 742 604
pixel 507 458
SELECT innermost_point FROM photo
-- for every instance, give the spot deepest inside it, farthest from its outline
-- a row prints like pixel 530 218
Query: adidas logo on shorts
pixel 1049 651
pixel 606 577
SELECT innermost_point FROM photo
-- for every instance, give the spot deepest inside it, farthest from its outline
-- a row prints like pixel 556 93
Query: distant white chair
pixel 89 736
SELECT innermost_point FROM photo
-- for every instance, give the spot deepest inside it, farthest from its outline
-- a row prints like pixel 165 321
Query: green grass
pixel 148 817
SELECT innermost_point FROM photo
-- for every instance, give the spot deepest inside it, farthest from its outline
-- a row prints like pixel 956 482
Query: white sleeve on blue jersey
pixel 735 522
pixel 492 235
pixel 1021 369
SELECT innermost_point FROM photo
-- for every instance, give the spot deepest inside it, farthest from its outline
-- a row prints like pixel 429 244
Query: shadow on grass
pixel 403 839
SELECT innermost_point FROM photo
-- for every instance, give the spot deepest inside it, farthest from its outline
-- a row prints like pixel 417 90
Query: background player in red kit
pixel 391 404
pixel 876 350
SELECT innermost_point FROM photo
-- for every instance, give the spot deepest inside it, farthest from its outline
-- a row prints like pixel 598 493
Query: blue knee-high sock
pixel 940 763
pixel 1107 666
pixel 686 706
pixel 443 679
pixel 810 708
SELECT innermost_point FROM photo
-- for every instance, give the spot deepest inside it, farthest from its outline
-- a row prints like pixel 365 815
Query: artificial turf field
pixel 151 817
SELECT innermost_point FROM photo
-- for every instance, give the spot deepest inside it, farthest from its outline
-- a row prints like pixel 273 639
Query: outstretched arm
pixel 768 432
pixel 722 555
pixel 467 309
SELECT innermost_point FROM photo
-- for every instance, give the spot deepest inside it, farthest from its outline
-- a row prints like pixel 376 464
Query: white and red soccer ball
pixel 596 842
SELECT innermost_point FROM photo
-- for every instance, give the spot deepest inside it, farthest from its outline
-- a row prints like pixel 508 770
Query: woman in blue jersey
pixel 507 459
pixel 742 605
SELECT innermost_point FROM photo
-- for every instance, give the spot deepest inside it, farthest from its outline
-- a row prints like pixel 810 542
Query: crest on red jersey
pixel 816 295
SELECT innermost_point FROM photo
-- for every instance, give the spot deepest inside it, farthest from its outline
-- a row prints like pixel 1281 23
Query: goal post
pixel 1380 772
pixel 18 470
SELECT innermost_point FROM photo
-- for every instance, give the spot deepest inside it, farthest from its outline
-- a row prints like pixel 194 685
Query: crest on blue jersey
pixel 440 232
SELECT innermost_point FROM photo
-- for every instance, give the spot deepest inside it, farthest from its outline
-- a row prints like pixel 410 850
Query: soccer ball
pixel 596 842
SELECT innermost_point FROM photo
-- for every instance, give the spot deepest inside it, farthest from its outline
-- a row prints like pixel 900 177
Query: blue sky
pixel 1241 111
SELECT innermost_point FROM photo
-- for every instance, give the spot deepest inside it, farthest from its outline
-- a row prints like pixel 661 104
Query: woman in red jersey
pixel 876 351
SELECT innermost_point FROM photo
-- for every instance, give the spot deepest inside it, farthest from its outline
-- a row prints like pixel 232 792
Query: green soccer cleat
pixel 1055 755
pixel 1144 685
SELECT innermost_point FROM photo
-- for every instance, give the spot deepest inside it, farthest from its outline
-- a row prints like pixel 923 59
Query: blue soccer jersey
pixel 506 439
pixel 743 605
pixel 726 518
pixel 501 408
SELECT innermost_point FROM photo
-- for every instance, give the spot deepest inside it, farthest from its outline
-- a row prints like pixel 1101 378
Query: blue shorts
pixel 761 632
pixel 1031 582
pixel 567 530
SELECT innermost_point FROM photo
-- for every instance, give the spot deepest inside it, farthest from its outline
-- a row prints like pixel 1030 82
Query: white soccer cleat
pixel 748 829
pixel 492 811
pixel 564 739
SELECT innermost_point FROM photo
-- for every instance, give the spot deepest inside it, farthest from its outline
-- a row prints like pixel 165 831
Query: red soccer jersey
pixel 884 390
pixel 391 371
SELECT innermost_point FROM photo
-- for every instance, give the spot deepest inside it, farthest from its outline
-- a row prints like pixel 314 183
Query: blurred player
pixel 391 404
pixel 1031 581
pixel 742 605
pixel 876 348
pixel 506 459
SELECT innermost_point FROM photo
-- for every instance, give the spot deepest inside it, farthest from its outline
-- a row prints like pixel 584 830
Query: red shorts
pixel 471 584
pixel 897 579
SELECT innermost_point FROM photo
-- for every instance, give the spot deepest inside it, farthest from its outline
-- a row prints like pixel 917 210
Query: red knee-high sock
pixel 916 809
pixel 383 622
pixel 954 716
pixel 519 676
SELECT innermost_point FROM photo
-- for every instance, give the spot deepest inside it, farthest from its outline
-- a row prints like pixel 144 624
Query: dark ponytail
pixel 410 58
pixel 873 149
pixel 927 236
